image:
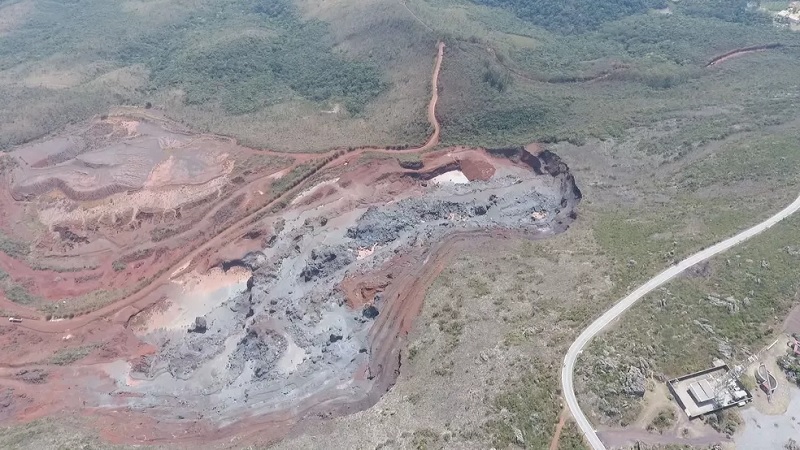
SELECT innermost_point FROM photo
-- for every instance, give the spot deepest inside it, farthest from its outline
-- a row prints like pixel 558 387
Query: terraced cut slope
pixel 179 287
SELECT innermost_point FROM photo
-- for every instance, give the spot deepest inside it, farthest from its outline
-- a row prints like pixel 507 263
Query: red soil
pixel 208 231
pixel 741 52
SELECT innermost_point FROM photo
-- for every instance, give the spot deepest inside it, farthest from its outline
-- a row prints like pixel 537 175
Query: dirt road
pixel 144 298
pixel 741 52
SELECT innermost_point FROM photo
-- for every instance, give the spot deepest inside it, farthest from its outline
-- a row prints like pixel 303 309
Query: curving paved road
pixel 603 321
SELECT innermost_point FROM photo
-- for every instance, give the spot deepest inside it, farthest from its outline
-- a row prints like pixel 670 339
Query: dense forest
pixel 573 15
pixel 247 71
pixel 576 16
pixel 232 56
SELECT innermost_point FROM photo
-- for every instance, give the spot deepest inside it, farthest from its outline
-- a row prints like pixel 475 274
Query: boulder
pixel 200 325
pixel 370 312
pixel 634 382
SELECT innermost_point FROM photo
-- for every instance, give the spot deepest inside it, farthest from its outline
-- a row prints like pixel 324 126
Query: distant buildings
pixel 791 14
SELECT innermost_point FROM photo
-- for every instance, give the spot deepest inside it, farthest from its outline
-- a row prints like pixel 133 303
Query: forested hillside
pixel 575 16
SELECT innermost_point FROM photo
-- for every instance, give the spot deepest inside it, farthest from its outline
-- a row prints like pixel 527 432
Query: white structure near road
pixel 567 371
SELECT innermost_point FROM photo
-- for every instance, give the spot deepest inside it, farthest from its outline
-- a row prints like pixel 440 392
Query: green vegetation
pixel 261 162
pixel 70 355
pixel 790 364
pixel 770 158
pixel 293 178
pixel 725 421
pixel 663 421
pixel 249 72
pixel 425 438
pixel 626 70
pixel 65 431
pixel 118 266
pixel 571 437
pixel 161 233
pixel 210 66
pixel 774 6
pixel 718 141
pixel 358 74
pixel 18 294
pixel 406 160
pixel 573 15
pixel 728 10
pixel 83 304
pixel 13 291
pixel 13 248
pixel 7 164
pixel 532 405
pixel 728 308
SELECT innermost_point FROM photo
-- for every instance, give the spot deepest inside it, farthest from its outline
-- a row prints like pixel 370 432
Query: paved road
pixel 598 325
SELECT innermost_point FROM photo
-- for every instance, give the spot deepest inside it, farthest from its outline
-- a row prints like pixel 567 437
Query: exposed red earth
pixel 177 287
pixel 741 52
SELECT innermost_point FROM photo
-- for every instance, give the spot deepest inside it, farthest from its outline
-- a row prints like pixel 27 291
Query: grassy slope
pixel 746 180
pixel 265 72
pixel 56 433
pixel 705 168
pixel 655 66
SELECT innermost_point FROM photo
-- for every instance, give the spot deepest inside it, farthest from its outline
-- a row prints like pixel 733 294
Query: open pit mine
pixel 260 306
pixel 177 287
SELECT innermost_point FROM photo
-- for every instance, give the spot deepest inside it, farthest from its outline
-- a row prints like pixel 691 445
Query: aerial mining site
pixel 179 286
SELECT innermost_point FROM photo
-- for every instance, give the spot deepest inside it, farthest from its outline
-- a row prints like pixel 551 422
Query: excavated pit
pixel 314 323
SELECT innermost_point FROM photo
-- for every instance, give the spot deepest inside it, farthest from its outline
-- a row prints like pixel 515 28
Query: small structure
pixel 766 380
pixel 702 392
pixel 709 390
pixel 791 14
pixel 795 345
pixel 15 320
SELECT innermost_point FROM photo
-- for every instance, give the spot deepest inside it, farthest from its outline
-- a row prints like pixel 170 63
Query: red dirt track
pixel 717 60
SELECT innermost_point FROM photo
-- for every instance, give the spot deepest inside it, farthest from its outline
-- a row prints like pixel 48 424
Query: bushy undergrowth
pixel 240 55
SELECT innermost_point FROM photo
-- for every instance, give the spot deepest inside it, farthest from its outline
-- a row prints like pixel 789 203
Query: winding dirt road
pixel 144 297
pixel 568 369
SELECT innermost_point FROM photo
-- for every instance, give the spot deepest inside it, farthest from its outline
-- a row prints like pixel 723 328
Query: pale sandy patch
pixel 363 252
pixel 291 358
pixel 199 294
pixel 121 204
pixel 313 189
pixel 452 177
pixel 14 16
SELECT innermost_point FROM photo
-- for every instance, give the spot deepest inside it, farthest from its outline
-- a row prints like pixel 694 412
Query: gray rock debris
pixel 325 262
pixel 383 225
pixel 634 382
pixel 725 349
pixel 730 303
pixel 199 326
pixel 189 354
pixel 261 348
pixel 703 323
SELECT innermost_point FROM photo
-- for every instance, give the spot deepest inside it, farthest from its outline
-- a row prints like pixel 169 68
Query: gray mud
pixel 290 337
